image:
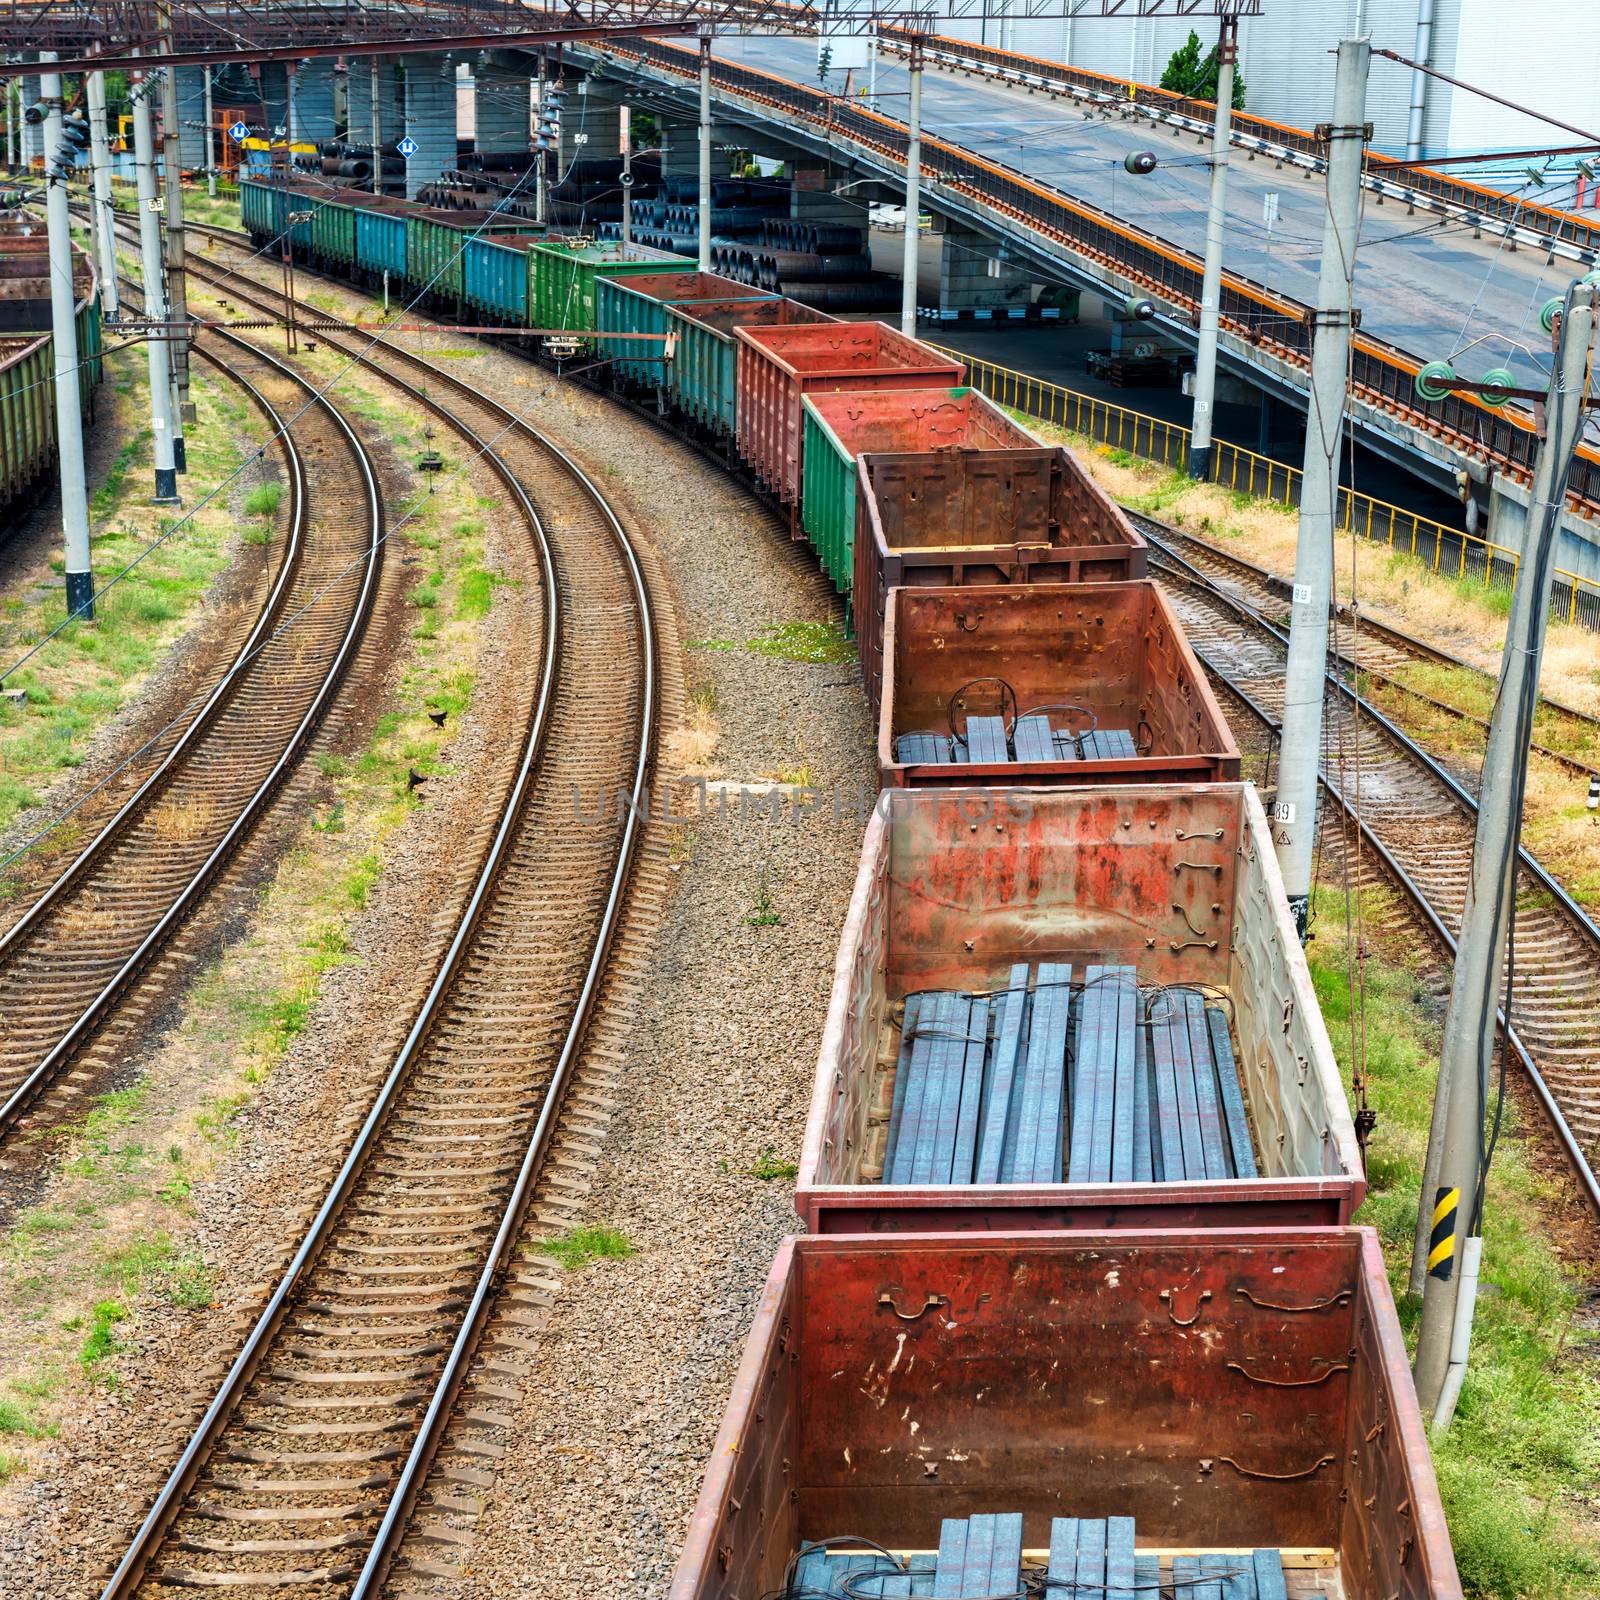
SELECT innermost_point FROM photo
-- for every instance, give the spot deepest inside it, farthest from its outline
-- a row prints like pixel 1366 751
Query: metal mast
pixel 1295 814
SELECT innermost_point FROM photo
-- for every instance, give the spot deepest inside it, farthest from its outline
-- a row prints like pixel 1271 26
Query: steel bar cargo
pixel 639 305
pixel 779 366
pixel 1229 1391
pixel 1165 896
pixel 838 426
pixel 1045 684
pixel 703 383
pixel 954 517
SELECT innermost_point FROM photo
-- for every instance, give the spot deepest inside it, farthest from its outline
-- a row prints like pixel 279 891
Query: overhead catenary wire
pixel 315 397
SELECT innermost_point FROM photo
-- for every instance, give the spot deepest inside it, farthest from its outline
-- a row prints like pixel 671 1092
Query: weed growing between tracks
pixel 1518 1467
pixel 111 1257
pixel 83 678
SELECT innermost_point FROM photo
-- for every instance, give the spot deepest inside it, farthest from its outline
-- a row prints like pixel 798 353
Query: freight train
pixel 1081 1310
pixel 27 359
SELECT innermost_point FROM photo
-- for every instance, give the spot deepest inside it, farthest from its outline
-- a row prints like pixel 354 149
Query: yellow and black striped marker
pixel 1442 1241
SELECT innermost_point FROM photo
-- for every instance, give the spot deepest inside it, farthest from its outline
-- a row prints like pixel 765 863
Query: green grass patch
pixel 263 500
pixel 577 1247
pixel 101 1341
pixel 1521 1459
pixel 812 642
pixel 769 1165
pixel 474 594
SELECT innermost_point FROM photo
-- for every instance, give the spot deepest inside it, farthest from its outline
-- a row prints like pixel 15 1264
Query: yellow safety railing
pixel 1241 471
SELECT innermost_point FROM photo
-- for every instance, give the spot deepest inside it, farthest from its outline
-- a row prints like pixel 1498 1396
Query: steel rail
pixel 391 1530
pixel 1583 1174
pixel 1397 638
pixel 224 685
pixel 72 1040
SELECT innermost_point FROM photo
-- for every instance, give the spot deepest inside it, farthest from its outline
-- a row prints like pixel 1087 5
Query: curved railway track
pixel 1384 652
pixel 78 949
pixel 306 1465
pixel 1418 822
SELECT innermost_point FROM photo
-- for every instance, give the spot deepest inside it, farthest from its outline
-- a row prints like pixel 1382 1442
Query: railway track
pixel 1384 652
pixel 78 949
pixel 308 1462
pixel 1418 823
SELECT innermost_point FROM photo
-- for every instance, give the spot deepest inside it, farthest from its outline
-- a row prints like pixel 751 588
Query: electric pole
pixel 177 277
pixel 100 206
pixel 913 240
pixel 157 345
pixel 625 131
pixel 1205 365
pixel 211 153
pixel 64 349
pixel 378 186
pixel 1294 816
pixel 705 149
pixel 1453 1201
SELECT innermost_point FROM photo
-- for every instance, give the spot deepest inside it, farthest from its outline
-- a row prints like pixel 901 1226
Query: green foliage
pixel 813 642
pixel 101 1342
pixel 1525 1445
pixel 262 501
pixel 768 1165
pixel 1190 73
pixel 577 1247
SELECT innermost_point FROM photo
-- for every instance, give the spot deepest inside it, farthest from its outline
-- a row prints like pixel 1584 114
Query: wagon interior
pixel 688 286
pixel 848 347
pixel 1079 675
pixel 916 419
pixel 957 498
pixel 725 315
pixel 1072 986
pixel 1231 1410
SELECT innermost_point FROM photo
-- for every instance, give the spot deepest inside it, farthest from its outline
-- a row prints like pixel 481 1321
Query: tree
pixel 1189 73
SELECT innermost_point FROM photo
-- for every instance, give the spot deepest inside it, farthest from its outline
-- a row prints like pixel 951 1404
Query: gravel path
pixel 635 1363
pixel 80 1503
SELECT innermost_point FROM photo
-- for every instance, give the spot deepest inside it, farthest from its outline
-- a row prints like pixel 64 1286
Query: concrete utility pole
pixel 1205 365
pixel 211 150
pixel 913 240
pixel 157 347
pixel 377 129
pixel 64 338
pixel 705 149
pixel 542 154
pixel 1450 1199
pixel 177 277
pixel 1295 814
pixel 100 206
pixel 11 125
pixel 625 132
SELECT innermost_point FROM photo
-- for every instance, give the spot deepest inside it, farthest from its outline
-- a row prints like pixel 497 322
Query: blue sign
pixel 407 147
pixel 238 133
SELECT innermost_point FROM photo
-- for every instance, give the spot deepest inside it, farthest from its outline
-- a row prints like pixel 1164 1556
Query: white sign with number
pixel 1269 210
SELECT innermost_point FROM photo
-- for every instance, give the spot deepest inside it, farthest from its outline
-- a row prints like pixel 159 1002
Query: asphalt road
pixel 1423 285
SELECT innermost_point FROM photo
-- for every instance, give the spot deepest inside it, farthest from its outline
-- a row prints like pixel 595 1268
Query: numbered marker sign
pixel 407 147
pixel 1283 811
pixel 238 133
